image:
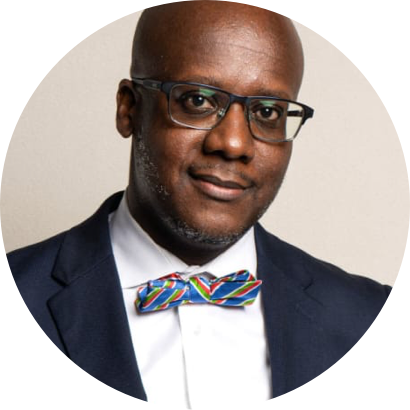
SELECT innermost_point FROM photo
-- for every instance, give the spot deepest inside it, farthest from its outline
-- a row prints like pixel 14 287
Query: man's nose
pixel 231 138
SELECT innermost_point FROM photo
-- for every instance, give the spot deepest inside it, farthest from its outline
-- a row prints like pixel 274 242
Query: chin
pixel 200 235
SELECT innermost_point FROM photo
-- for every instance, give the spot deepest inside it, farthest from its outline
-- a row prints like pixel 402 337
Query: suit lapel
pixel 292 318
pixel 89 311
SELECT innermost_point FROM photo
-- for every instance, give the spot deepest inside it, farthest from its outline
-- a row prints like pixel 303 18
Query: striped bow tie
pixel 236 289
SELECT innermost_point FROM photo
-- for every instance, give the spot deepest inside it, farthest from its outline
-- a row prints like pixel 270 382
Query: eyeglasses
pixel 203 107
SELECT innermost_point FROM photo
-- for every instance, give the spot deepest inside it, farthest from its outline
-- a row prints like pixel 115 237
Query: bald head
pixel 168 35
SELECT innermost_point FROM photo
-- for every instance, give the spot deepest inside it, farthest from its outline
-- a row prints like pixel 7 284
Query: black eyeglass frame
pixel 167 86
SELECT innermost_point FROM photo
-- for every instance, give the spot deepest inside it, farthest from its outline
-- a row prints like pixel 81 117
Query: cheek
pixel 271 164
pixel 170 150
pixel 170 147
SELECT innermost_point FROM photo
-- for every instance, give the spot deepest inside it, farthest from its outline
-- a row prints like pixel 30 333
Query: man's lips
pixel 218 186
pixel 220 182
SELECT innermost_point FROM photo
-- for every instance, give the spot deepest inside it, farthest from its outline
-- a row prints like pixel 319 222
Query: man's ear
pixel 126 108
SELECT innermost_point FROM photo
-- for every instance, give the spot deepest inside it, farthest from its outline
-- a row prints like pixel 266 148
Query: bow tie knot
pixel 236 289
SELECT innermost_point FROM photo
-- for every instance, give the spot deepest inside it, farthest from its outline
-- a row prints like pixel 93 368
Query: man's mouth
pixel 219 185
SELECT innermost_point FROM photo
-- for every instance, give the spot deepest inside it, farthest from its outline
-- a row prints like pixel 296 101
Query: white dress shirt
pixel 194 356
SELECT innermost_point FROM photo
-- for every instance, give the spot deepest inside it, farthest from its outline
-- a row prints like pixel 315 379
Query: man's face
pixel 209 186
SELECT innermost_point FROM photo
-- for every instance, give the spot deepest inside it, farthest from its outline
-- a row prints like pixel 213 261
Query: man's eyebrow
pixel 213 81
pixel 272 93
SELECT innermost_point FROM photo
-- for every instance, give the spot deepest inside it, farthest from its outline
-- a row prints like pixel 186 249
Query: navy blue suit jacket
pixel 314 312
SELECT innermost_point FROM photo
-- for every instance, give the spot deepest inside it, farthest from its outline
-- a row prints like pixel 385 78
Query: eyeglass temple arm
pixel 151 84
pixel 308 113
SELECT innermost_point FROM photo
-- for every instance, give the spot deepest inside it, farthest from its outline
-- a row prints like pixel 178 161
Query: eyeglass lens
pixel 203 108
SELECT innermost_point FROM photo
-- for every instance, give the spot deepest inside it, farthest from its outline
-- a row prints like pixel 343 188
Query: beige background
pixel 345 198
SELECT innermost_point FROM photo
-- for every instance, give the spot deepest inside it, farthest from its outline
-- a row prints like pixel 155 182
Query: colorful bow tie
pixel 236 289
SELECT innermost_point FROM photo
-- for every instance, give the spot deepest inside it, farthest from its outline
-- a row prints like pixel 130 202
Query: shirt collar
pixel 140 259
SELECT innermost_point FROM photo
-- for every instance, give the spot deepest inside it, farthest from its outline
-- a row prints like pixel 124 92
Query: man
pixel 206 162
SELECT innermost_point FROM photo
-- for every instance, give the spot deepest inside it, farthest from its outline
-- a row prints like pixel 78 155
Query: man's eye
pixel 197 103
pixel 267 113
pixel 197 100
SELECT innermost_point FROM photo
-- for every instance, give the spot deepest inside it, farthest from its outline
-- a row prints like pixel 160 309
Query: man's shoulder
pixel 31 265
pixel 329 284
pixel 41 256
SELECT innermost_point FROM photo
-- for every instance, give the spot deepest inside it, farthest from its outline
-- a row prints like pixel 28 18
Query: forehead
pixel 252 55
pixel 243 65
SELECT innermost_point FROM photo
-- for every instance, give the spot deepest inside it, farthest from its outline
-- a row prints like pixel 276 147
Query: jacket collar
pixel 86 244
